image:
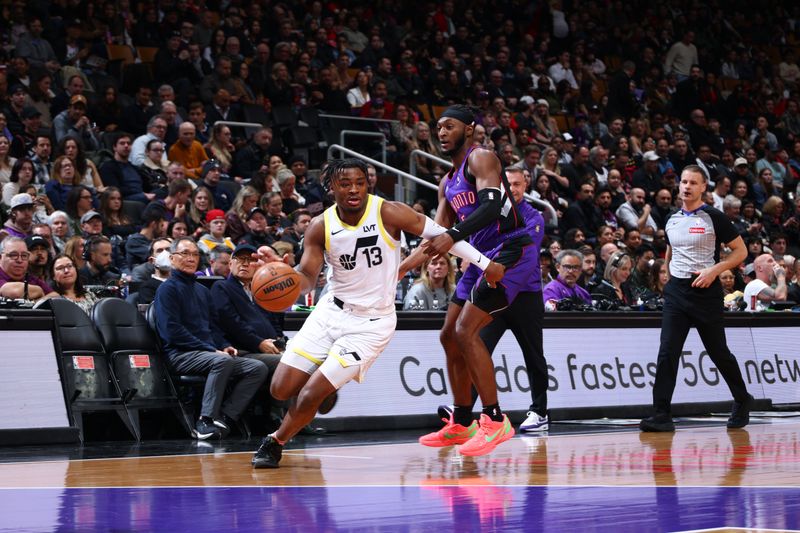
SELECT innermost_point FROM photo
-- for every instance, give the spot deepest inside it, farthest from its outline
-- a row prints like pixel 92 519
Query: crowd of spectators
pixel 601 104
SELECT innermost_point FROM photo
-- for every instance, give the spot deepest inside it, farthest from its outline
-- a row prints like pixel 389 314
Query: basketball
pixel 276 286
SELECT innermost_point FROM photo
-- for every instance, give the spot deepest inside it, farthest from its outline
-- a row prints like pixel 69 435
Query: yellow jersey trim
pixel 307 355
pixel 326 220
pixel 363 217
pixel 385 234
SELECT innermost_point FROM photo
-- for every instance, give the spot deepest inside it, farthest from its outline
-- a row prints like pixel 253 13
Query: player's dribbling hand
pixel 267 254
pixel 494 273
pixel 439 245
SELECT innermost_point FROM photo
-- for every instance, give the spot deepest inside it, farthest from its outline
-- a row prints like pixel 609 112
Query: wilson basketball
pixel 275 286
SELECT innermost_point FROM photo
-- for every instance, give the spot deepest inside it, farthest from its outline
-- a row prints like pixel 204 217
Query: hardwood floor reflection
pixel 761 455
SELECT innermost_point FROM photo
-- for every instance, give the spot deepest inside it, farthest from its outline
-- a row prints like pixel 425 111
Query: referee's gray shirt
pixel 695 238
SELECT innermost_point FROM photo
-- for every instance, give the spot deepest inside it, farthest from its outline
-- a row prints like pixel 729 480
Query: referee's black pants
pixel 686 306
pixel 525 318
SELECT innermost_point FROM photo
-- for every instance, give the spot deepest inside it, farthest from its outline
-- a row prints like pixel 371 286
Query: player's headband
pixel 463 115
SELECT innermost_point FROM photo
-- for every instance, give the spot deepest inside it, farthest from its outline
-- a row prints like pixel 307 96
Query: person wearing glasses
pixel 249 327
pixel 68 284
pixel 154 167
pixel 188 324
pixel 569 264
pixel 15 281
pixel 156 129
pixel 252 330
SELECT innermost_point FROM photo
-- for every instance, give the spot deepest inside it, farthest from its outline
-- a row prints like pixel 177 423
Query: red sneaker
pixel 451 434
pixel 489 435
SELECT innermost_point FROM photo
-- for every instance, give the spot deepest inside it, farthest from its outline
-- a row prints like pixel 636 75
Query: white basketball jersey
pixel 363 259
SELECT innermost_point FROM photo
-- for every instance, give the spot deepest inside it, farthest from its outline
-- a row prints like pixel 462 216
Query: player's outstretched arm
pixel 397 216
pixel 445 216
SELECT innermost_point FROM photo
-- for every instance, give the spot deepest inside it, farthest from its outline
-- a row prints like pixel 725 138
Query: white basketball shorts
pixel 340 344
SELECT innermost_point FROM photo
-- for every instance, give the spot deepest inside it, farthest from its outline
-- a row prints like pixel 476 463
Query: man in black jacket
pixel 248 326
pixel 241 319
pixel 582 213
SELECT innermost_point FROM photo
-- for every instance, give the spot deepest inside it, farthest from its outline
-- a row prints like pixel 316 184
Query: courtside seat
pixel 86 373
pixel 136 362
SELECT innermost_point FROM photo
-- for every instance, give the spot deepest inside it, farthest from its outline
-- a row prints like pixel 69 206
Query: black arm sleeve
pixel 490 203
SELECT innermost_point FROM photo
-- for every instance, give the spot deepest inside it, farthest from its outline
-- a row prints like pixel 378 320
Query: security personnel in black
pixel 693 297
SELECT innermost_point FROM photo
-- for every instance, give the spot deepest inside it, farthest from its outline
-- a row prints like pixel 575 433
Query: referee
pixel 693 297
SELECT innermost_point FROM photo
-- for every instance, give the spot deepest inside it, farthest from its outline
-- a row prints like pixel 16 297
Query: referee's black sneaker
pixel 740 414
pixel 659 422
pixel 268 454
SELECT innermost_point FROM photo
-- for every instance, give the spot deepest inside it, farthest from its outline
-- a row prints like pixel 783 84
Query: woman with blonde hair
pixel 614 284
pixel 549 167
pixel 292 200
pixel 246 199
pixel 74 250
pixel 436 285
pixel 422 140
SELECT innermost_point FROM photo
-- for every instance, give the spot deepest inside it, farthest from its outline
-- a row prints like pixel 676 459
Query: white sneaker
pixel 534 423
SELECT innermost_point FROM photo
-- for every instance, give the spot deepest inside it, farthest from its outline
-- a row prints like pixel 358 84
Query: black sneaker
pixel 740 414
pixel 659 422
pixel 328 403
pixel 268 454
pixel 444 411
pixel 223 425
pixel 205 429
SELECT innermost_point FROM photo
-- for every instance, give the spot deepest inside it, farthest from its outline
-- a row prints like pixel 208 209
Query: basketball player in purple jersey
pixel 476 204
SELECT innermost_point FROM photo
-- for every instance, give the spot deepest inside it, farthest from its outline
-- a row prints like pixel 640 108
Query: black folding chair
pixel 86 372
pixel 136 362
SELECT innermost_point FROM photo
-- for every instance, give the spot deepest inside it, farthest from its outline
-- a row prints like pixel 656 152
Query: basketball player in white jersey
pixel 358 237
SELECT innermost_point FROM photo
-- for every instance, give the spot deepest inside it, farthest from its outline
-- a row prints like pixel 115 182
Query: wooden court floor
pixel 698 478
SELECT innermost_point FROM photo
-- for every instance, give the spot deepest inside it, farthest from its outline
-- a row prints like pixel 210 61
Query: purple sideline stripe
pixel 445 508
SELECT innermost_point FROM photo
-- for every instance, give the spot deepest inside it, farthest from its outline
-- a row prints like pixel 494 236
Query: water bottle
pixel 435 304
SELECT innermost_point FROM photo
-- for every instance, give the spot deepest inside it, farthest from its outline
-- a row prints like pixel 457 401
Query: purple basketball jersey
pixel 462 196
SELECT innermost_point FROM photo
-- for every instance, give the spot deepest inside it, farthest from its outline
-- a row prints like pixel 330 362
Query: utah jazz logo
pixel 367 246
pixel 350 356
